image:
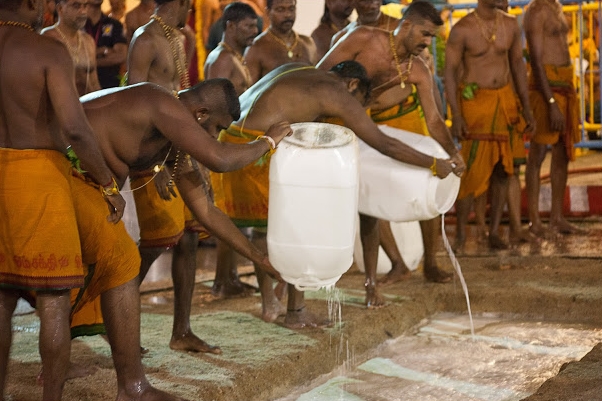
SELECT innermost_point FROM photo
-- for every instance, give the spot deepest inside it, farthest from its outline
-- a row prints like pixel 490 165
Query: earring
pixel 198 119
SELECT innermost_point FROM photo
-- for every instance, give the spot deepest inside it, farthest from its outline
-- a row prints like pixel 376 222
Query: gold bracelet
pixel 434 166
pixel 270 140
pixel 110 191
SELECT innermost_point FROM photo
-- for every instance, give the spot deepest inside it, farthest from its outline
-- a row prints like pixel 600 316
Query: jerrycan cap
pixel 319 135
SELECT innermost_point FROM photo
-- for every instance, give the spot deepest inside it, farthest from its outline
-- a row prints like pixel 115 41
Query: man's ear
pixel 352 84
pixel 201 114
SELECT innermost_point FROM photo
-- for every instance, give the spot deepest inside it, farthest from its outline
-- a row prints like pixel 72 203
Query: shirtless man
pixel 396 72
pixel 138 16
pixel 160 127
pixel 226 61
pixel 555 108
pixel 68 29
pixel 157 55
pixel 335 18
pixel 368 14
pixel 38 86
pixel 279 44
pixel 483 60
pixel 300 93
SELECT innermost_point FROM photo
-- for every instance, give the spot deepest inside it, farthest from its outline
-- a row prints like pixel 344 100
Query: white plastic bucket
pixel 408 238
pixel 396 191
pixel 313 204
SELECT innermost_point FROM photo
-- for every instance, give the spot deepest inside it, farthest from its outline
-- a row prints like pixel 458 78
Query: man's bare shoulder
pixel 362 34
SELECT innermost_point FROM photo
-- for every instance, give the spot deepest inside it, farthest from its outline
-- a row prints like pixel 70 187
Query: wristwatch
pixel 551 100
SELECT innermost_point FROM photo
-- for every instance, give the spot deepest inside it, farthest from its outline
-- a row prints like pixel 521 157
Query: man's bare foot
pixel 564 227
pixel 146 393
pixel 482 235
pixel 436 275
pixel 272 310
pixel 458 246
pixel 373 298
pixel 75 371
pixel 496 243
pixel 397 274
pixel 232 289
pixel 189 342
pixel 302 318
pixel 537 230
pixel 519 237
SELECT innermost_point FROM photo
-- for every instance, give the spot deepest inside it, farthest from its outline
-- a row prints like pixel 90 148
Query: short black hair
pixel 353 69
pixel 270 3
pixel 422 10
pixel 237 12
pixel 202 92
pixel 159 2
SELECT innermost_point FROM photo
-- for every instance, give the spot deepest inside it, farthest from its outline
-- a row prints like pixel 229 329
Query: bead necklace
pixel 484 31
pixel 403 75
pixel 283 43
pixel 17 24
pixel 74 52
pixel 240 58
pixel 177 50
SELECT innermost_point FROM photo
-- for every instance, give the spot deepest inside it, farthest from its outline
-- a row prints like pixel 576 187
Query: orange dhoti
pixel 243 194
pixel 39 242
pixel 561 83
pixel 491 116
pixel 162 223
pixel 111 257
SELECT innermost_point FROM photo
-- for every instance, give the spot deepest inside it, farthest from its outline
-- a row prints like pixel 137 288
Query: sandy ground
pixel 556 280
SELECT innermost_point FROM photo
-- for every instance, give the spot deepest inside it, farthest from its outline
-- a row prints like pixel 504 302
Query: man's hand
pixel 443 168
pixel 116 205
pixel 267 267
pixel 162 181
pixel 556 118
pixel 459 129
pixel 457 164
pixel 530 121
pixel 279 130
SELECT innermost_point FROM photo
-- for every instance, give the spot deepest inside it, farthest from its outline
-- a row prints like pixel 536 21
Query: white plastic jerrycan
pixel 396 191
pixel 312 205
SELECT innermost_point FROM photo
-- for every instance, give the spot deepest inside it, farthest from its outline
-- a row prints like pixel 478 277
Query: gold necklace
pixel 74 52
pixel 17 24
pixel 481 24
pixel 177 50
pixel 403 75
pixel 240 58
pixel 283 43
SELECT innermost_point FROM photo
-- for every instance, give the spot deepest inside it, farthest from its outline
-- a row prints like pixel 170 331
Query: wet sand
pixel 556 280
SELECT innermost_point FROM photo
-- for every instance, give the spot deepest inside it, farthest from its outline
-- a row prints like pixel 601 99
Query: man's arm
pixel 140 58
pixel 190 186
pixel 253 59
pixel 60 78
pixel 535 34
pixel 116 54
pixel 519 75
pixel 222 67
pixel 178 125
pixel 346 107
pixel 454 51
pixel 90 47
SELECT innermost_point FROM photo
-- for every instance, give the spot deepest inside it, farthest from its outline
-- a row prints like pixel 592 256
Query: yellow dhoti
pixel 39 242
pixel 111 257
pixel 561 83
pixel 491 116
pixel 162 223
pixel 243 194
pixel 407 115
